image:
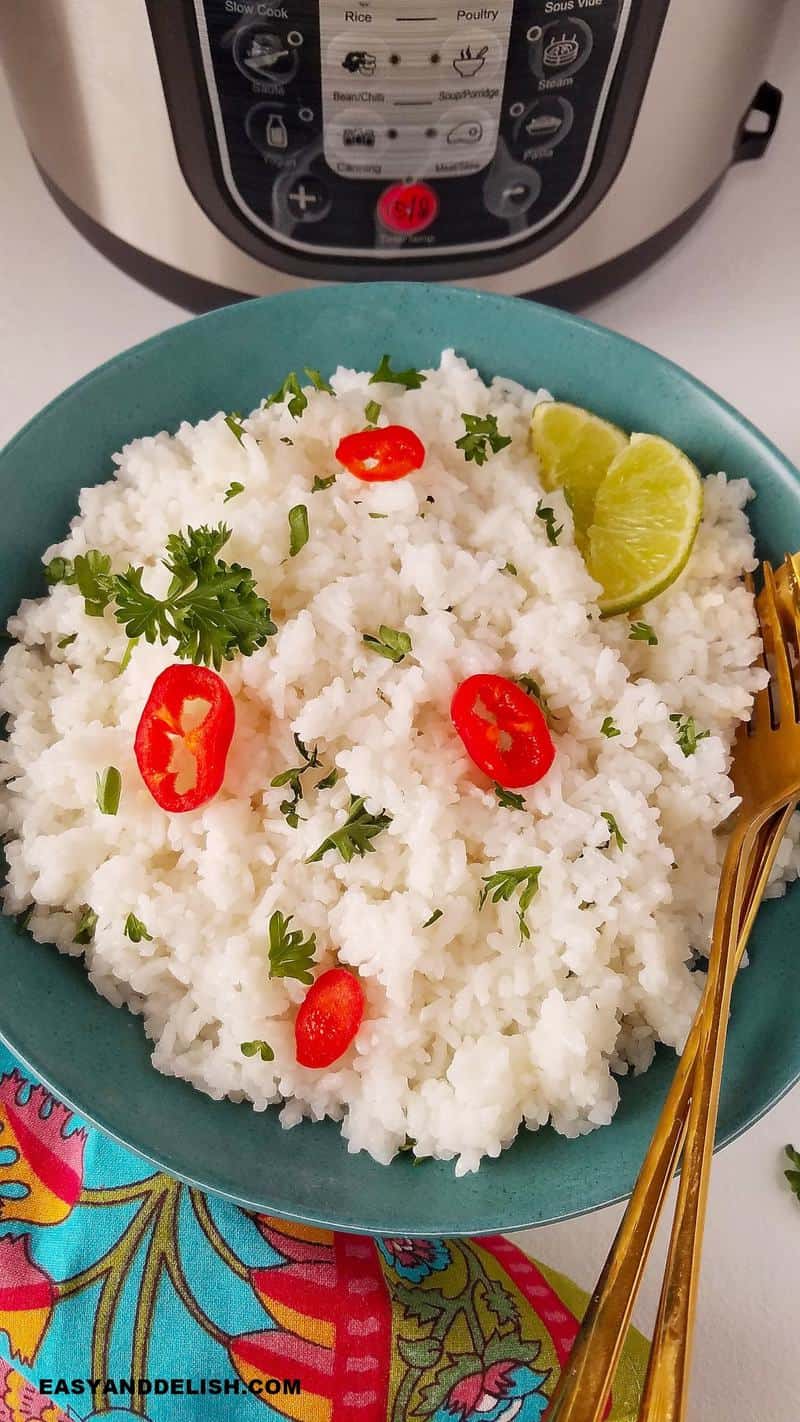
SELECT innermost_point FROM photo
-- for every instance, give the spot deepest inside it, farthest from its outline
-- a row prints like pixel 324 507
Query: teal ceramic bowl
pixel 96 1057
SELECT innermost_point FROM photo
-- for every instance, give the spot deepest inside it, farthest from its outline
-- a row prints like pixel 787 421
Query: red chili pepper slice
pixel 503 730
pixel 329 1018
pixel 162 730
pixel 381 454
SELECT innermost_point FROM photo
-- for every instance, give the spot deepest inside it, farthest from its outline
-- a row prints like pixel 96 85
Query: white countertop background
pixel 724 303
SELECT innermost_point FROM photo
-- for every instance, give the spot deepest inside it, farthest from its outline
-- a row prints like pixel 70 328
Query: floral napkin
pixel 124 1291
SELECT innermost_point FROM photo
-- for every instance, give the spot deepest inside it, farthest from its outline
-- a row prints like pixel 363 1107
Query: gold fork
pixel 767 775
pixel 583 1387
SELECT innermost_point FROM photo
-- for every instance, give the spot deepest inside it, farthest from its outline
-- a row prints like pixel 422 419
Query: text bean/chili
pixel 166 729
pixel 329 1018
pixel 378 455
pixel 503 729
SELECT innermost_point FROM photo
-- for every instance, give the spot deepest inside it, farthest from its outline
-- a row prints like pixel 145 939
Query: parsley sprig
pixel 87 924
pixel 508 799
pixel 355 836
pixel 232 490
pixel 615 835
pixel 234 423
pixel 643 632
pixel 505 883
pixel 609 729
pixel 389 643
pixel 136 930
pixel 291 777
pixel 211 609
pixel 109 790
pixel 318 381
pixel 481 432
pixel 534 689
pixel 298 529
pixel 290 390
pixel 258 1048
pixel 320 484
pixel 687 734
pixel 290 954
pixel 548 517
pixel 411 379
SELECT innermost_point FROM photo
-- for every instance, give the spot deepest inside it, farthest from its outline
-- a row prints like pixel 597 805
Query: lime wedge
pixel 574 449
pixel 646 515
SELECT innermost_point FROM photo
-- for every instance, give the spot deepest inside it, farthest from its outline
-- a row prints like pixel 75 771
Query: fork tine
pixel 792 563
pixel 788 585
pixel 775 643
pixel 761 713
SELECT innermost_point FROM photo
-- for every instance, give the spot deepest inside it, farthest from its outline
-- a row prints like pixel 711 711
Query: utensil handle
pixel 666 1387
pixel 581 1393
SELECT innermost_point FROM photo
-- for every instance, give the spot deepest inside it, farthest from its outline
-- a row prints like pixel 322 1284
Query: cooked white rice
pixel 468 1034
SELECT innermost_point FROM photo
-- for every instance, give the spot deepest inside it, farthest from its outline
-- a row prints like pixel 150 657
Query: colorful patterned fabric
pixel 110 1270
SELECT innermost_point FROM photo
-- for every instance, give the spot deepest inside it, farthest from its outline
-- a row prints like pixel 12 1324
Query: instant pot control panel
pixel 401 132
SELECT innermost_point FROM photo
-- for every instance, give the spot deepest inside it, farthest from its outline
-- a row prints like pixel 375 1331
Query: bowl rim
pixel 514 306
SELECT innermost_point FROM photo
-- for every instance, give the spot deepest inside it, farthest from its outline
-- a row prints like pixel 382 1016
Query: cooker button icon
pixel 264 56
pixel 308 199
pixel 544 124
pixel 562 48
pixel 510 194
pixel 407 207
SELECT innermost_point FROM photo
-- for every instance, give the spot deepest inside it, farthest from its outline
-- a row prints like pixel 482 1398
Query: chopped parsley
pixel 298 529
pixel 505 883
pixel 793 1176
pixel 508 799
pixel 290 954
pixel 291 777
pixel 642 632
pixel 687 734
pixel 411 379
pixel 65 642
pixel 232 490
pixel 234 423
pixel 378 515
pixel 318 382
pixel 371 412
pixel 211 608
pixel 510 569
pixel 548 517
pixel 290 390
pixel 533 689
pixel 481 430
pixel 258 1048
pixel 87 924
pixel 109 790
pixel 609 729
pixel 355 835
pixel 614 832
pixel 328 781
pixel 59 570
pixel 286 440
pixel 434 918
pixel 389 643
pixel 136 930
pixel 320 484
pixel 91 573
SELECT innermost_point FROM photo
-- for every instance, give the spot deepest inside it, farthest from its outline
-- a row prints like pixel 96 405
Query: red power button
pixel 407 207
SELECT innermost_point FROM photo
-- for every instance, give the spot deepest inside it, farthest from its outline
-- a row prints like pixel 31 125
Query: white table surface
pixel 725 303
